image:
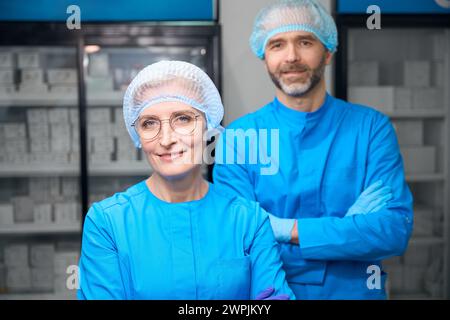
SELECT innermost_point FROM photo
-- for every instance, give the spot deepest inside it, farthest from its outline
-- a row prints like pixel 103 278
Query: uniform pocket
pixel 234 278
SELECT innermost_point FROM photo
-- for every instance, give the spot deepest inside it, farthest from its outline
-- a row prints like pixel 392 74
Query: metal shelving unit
pixel 391 70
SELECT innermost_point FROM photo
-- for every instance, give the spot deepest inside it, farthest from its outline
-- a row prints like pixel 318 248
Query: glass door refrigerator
pixel 63 143
pixel 402 69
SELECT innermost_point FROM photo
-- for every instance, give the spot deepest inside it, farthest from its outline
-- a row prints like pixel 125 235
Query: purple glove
pixel 266 295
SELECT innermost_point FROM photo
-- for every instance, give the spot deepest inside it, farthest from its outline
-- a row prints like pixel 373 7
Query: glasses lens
pixel 183 122
pixel 148 128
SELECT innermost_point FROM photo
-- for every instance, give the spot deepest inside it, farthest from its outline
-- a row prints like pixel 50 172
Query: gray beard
pixel 298 90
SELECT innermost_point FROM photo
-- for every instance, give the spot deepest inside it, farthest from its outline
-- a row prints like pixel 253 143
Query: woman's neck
pixel 190 187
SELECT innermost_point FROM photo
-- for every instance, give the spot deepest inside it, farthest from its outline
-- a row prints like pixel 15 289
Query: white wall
pixel 246 85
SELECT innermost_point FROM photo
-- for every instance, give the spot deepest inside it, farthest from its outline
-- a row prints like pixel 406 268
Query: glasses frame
pixel 172 116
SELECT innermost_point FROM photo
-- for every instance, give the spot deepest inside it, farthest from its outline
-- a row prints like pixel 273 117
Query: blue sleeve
pixel 100 272
pixel 267 268
pixel 372 236
pixel 232 178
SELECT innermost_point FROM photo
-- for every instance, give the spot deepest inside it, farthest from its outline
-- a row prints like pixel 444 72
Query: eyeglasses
pixel 149 127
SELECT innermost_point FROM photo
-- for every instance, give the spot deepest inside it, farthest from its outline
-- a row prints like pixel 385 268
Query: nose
pixel 167 137
pixel 292 53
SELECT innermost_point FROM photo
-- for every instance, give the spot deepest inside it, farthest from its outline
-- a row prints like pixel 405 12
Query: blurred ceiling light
pixel 92 48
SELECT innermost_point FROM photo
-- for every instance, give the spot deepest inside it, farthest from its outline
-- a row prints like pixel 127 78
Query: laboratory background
pixel 63 142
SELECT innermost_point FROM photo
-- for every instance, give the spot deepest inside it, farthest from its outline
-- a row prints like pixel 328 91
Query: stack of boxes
pixel 39 268
pixel 101 139
pixel 60 135
pixel 14 147
pixel 125 149
pixel 63 82
pixel 32 74
pixel 99 79
pixel 7 85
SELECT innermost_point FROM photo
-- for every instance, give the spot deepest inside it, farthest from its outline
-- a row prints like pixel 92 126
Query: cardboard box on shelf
pixel 419 159
pixel 427 98
pixel 60 76
pixel 18 279
pixel 28 60
pixel 6 76
pixel 6 59
pixel 409 132
pixel 42 279
pixel 42 255
pixel 380 98
pixel 6 214
pixel 98 65
pixel 42 213
pixel 23 209
pixel 416 73
pixel 16 255
pixel 32 76
pixel 39 116
pixel 66 213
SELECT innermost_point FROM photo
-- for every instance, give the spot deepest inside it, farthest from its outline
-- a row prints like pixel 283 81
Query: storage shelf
pixel 105 99
pixel 44 99
pixel 32 228
pixel 37 296
pixel 416 114
pixel 425 177
pixel 45 170
pixel 426 241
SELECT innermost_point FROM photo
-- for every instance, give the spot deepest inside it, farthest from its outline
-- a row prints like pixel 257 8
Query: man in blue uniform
pixel 338 199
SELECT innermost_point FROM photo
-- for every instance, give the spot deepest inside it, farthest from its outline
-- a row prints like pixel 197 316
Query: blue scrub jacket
pixel 326 159
pixel 136 246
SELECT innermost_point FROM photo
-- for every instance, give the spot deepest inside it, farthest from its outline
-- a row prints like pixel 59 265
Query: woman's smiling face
pixel 178 146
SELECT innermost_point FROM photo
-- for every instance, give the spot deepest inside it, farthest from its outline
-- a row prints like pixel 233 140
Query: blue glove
pixel 372 199
pixel 282 228
pixel 267 295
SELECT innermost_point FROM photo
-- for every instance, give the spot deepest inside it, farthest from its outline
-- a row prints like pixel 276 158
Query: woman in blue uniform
pixel 173 235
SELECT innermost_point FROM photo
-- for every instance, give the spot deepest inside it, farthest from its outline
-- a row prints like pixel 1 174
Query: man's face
pixel 296 62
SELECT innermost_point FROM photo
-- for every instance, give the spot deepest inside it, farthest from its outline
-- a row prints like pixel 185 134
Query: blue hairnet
pixel 174 81
pixel 293 15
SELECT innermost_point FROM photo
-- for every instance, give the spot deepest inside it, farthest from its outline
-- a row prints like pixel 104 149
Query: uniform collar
pixel 300 118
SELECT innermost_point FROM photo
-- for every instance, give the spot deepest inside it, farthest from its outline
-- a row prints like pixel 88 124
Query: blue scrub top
pixel 326 159
pixel 136 246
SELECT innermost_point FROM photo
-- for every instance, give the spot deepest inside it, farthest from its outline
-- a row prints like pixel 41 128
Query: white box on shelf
pixel 38 131
pixel 403 98
pixel 100 130
pixel 60 131
pixel 380 98
pixel 16 255
pixel 363 73
pixel 23 209
pixel 18 279
pixel 42 255
pixel 55 186
pixel 15 148
pixel 42 213
pixel 14 130
pixel 6 59
pixel 6 76
pixel 74 157
pixel 59 116
pixel 59 76
pixel 64 89
pixel 42 279
pixel 33 88
pixel 7 89
pixel 419 159
pixel 60 147
pixel 102 144
pixel 416 73
pixel 70 186
pixel 102 84
pixel 98 64
pixel 74 117
pixel 409 132
pixel 28 60
pixel 37 116
pixel 6 214
pixel 32 76
pixel 428 98
pixel 99 115
pixel 66 213
pixel 40 144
